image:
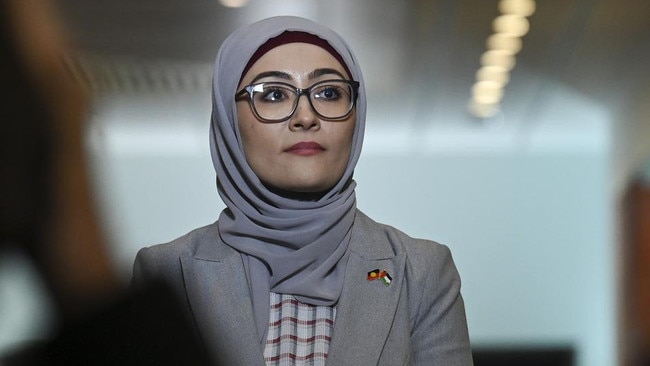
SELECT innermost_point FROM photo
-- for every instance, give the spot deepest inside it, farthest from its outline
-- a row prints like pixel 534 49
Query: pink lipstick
pixel 305 148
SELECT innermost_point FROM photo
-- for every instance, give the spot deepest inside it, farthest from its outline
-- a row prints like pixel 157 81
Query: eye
pixel 274 94
pixel 328 92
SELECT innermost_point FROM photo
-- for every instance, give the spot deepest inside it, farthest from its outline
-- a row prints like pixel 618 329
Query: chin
pixel 314 187
pixel 306 183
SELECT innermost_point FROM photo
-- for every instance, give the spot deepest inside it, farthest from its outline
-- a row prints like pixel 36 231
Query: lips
pixel 305 148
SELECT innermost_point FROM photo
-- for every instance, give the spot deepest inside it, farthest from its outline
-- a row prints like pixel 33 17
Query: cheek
pixel 247 135
pixel 348 135
pixel 259 142
pixel 344 140
pixel 256 147
pixel 247 126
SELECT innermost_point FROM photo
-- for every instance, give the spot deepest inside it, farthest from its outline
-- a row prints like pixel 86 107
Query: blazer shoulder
pixel 388 238
pixel 186 244
pixel 427 262
pixel 163 259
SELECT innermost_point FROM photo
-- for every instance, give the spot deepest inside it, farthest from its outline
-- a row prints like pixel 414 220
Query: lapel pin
pixel 383 276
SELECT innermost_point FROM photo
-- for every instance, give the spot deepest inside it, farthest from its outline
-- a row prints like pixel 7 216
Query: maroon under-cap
pixel 293 37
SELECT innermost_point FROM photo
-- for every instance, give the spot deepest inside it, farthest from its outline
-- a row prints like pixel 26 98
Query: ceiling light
pixel 487 92
pixel 506 42
pixel 514 25
pixel 524 8
pixel 499 58
pixel 233 3
pixel 496 74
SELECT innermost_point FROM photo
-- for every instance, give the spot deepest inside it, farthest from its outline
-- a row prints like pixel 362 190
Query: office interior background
pixel 518 136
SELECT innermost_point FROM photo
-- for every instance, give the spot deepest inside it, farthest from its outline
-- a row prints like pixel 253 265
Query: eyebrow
pixel 320 72
pixel 266 74
pixel 283 75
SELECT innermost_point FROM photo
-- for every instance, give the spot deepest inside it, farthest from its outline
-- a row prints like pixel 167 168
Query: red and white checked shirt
pixel 299 334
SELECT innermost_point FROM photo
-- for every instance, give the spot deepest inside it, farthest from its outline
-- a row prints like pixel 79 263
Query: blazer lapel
pixel 366 308
pixel 218 294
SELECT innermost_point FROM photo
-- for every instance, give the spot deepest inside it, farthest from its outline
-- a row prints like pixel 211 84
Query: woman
pixel 292 271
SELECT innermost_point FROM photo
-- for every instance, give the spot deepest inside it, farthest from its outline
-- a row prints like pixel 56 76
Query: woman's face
pixel 304 153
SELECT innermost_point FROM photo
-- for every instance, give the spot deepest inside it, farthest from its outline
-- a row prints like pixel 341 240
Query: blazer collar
pixel 213 249
pixel 219 298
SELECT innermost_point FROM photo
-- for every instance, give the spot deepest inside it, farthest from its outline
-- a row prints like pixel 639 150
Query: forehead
pixel 295 59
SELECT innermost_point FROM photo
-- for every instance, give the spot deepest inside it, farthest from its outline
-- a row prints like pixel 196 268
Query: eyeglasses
pixel 278 101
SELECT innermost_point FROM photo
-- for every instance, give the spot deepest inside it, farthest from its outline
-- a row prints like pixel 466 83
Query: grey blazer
pixel 419 319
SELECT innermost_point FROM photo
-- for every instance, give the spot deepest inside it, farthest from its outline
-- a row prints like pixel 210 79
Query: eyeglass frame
pixel 248 89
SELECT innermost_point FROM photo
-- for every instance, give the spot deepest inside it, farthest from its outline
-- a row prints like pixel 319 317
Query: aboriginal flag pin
pixel 373 275
pixel 383 276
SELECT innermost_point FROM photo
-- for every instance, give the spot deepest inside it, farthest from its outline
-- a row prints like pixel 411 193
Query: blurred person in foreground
pixel 292 272
pixel 47 213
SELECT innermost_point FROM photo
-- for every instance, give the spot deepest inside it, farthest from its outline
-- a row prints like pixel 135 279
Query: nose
pixel 304 118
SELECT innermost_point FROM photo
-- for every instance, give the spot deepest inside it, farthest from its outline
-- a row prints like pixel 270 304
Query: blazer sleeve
pixel 143 268
pixel 440 335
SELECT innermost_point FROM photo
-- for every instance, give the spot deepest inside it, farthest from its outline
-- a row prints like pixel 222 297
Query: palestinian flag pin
pixel 383 276
pixel 386 279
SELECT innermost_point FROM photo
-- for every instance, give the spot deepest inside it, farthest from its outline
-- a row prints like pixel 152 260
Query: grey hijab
pixel 287 246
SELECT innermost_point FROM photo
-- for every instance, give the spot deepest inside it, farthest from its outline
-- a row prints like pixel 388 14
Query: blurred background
pixel 535 170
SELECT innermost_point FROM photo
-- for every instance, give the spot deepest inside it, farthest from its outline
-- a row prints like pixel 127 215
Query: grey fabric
pixel 419 319
pixel 288 246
